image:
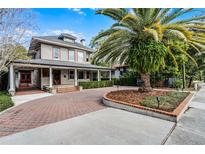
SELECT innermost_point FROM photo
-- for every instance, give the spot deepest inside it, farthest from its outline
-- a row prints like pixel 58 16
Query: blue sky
pixel 83 23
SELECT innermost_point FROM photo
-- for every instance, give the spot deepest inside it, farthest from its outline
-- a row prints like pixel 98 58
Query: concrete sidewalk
pixel 191 127
pixel 26 98
pixel 106 126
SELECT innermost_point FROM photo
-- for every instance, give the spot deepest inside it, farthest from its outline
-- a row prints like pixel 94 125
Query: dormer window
pixel 67 37
pixel 68 40
pixel 56 53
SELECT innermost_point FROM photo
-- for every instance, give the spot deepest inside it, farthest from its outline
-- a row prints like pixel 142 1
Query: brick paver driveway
pixel 51 109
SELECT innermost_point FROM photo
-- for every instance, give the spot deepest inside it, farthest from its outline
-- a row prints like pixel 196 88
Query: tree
pixel 15 27
pixel 193 71
pixel 144 38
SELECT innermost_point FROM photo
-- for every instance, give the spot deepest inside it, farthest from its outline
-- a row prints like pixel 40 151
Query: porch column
pixel 11 80
pixel 99 78
pixel 76 77
pixel 41 78
pixel 50 78
pixel 110 75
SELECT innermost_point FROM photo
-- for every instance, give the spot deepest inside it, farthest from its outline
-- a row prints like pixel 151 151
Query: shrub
pixel 5 101
pixel 125 81
pixel 177 83
pixel 96 84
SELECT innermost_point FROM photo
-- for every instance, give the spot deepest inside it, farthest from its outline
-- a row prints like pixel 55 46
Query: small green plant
pixel 5 101
pixel 96 84
pixel 177 83
pixel 167 102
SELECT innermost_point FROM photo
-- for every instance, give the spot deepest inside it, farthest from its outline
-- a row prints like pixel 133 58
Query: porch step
pixel 66 89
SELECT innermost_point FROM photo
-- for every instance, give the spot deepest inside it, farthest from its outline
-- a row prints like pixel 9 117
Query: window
pixel 80 57
pixel 80 75
pixel 87 57
pixel 71 74
pixel 71 55
pixel 56 53
pixel 68 40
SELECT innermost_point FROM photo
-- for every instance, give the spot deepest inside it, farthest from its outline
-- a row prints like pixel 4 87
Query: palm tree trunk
pixel 146 87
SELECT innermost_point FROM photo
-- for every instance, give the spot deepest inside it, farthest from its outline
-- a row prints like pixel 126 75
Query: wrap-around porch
pixel 52 78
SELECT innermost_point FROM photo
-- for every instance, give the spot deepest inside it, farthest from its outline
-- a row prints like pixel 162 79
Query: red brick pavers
pixel 51 109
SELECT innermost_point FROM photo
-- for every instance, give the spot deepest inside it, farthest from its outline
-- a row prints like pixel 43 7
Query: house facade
pixel 119 70
pixel 56 61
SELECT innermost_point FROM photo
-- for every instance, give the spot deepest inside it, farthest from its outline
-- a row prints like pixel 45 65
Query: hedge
pixel 125 81
pixel 96 84
pixel 5 101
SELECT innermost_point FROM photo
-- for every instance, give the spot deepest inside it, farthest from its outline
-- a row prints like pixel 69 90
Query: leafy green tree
pixel 193 72
pixel 144 38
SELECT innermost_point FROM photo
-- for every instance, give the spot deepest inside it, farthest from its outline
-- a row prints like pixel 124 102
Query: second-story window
pixel 56 53
pixel 80 57
pixel 71 55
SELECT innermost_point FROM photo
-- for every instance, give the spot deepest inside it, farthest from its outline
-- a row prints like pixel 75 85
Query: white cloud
pixel 78 10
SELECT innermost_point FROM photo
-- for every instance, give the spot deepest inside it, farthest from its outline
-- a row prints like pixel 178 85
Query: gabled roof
pixel 54 40
pixel 60 63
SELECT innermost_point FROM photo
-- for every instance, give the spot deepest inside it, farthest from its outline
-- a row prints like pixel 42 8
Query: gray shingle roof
pixel 56 41
pixel 60 63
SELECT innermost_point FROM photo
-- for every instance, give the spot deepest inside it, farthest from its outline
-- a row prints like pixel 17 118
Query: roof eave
pixel 61 44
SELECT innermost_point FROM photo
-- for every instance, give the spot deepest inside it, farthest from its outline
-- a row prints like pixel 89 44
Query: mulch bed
pixel 133 96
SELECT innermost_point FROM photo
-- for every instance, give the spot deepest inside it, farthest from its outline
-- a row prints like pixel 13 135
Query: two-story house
pixel 57 61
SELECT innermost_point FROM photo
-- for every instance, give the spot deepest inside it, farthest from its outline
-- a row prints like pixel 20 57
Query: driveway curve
pixel 51 109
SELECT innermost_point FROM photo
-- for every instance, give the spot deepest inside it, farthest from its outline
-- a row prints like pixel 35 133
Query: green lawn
pixel 5 101
pixel 168 102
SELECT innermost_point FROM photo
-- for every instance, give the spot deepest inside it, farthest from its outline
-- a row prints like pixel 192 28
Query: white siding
pixel 64 78
pixel 46 51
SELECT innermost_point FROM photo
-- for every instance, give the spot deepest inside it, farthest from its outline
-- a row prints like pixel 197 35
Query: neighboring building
pixel 56 61
pixel 119 70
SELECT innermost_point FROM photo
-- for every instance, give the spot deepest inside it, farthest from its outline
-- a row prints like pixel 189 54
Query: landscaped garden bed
pixel 167 105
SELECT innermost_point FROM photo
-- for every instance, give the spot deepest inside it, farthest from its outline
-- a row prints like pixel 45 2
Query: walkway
pixel 191 127
pixel 106 126
pixel 79 118
pixel 49 110
pixel 20 99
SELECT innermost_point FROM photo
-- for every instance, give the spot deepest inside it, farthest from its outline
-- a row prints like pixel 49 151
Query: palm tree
pixel 144 38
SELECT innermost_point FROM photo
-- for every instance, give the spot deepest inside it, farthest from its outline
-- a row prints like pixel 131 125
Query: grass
pixel 168 102
pixel 5 101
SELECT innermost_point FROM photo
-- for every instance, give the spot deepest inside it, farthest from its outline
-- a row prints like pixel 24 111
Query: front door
pixel 25 78
pixel 56 77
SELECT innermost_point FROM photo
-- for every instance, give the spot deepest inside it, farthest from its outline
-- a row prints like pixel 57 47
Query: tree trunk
pixel 190 81
pixel 146 87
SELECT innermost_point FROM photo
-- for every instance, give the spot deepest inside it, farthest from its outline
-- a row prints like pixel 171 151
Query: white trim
pixel 50 78
pixel 99 76
pixel 63 67
pixel 61 44
pixel 76 77
pixel 11 78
